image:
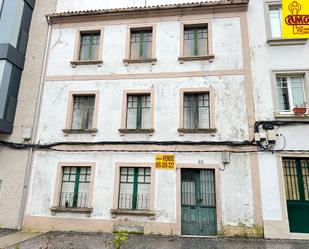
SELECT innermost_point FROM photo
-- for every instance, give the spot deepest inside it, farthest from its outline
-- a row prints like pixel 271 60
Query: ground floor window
pixel 134 188
pixel 75 187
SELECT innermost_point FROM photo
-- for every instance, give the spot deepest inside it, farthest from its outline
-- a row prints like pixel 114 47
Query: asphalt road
pixel 98 241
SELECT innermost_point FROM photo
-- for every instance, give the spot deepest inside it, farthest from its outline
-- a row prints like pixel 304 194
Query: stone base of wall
pixel 242 231
pixel 36 224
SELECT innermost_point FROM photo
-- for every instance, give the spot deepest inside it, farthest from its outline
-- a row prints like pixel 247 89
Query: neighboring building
pixel 19 87
pixel 15 18
pixel 280 77
pixel 123 85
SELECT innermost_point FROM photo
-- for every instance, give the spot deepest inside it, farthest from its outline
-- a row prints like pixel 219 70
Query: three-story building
pixel 124 85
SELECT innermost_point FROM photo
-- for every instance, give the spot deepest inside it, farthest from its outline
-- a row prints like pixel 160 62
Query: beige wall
pixel 13 163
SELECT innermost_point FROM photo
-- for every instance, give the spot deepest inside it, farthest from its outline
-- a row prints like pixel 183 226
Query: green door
pixel 198 202
pixel 296 174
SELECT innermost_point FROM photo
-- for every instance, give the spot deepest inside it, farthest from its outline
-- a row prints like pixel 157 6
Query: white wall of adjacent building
pixel 265 58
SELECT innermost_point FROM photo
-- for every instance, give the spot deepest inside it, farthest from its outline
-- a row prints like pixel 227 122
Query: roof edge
pixel 206 6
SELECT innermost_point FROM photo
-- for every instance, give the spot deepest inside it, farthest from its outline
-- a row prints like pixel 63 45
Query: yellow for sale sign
pixel 295 18
pixel 165 161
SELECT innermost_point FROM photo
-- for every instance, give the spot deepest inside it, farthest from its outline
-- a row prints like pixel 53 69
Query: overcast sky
pixel 69 5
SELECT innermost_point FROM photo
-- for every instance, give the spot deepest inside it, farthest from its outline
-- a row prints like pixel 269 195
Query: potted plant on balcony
pixel 300 110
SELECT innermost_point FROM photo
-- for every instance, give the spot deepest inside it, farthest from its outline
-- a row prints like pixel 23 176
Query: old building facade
pixel 124 85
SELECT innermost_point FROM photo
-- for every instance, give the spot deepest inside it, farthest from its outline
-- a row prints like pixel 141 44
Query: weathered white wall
pixel 265 58
pixel 237 206
pixel 230 118
pixel 230 115
pixel 70 5
pixel 227 48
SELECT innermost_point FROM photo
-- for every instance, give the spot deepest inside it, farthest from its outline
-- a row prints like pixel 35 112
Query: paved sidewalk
pixel 98 241
pixel 16 238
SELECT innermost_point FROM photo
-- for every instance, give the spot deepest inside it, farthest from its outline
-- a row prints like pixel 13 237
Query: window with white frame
pixel 196 110
pixel 75 187
pixel 134 191
pixel 138 111
pixel 291 92
pixel 83 111
pixel 275 19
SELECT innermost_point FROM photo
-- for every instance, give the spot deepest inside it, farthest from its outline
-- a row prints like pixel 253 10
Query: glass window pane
pixel 283 95
pixel 83 109
pixel 141 44
pixel 195 41
pixel 89 48
pixel 275 21
pixel 297 91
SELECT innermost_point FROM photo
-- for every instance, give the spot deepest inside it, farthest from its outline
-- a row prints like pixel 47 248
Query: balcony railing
pixel 73 200
pixel 134 201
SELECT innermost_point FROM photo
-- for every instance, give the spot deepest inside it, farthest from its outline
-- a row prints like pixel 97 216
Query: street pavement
pixel 59 240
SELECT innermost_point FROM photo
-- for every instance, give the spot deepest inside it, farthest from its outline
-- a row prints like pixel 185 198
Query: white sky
pixel 73 5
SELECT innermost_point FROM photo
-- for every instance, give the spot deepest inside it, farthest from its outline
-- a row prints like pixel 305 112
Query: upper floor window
pixel 195 40
pixel 138 111
pixel 196 111
pixel 291 92
pixel 141 44
pixel 82 112
pixel 89 46
pixel 273 15
pixel 275 18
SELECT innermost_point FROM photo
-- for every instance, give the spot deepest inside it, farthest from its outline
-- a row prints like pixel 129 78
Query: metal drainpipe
pixel 35 132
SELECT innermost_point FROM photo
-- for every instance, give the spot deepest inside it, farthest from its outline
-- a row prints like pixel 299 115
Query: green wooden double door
pixel 198 202
pixel 296 176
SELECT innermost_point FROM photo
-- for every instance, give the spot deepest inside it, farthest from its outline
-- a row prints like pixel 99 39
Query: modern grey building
pixel 15 19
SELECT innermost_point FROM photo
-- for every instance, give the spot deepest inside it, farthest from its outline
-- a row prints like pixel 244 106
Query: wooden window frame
pixel 68 126
pixel 210 56
pixel 123 130
pixel 128 60
pixel 56 199
pixel 277 41
pixel 278 114
pixel 77 48
pixel 212 127
pixel 115 211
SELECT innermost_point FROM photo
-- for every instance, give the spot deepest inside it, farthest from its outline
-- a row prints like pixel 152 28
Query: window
pixel 290 90
pixel 141 44
pixel 83 110
pixel 134 189
pixel 195 40
pixel 275 18
pixel 138 111
pixel 75 187
pixel 196 111
pixel 89 46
